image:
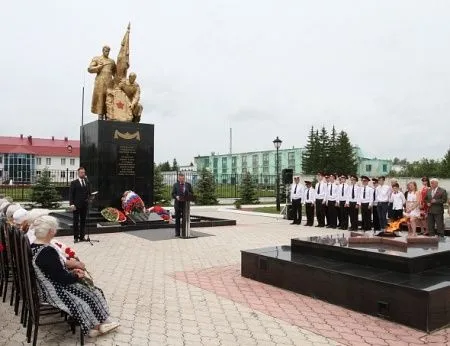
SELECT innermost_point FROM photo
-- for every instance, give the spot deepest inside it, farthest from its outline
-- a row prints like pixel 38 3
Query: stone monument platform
pixel 405 284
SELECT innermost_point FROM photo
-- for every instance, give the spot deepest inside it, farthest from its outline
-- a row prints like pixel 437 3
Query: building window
pixel 1 173
pixel 291 160
pixel 215 163
pixel 368 168
pixel 244 162
pixel 255 170
pixel 233 170
pixel 244 170
pixel 224 165
pixel 255 161
pixel 63 161
pixel 265 170
pixel 63 174
pixel 385 168
pixel 265 159
pixel 1 159
pixel 72 174
pixel 206 162
pixel 233 161
pixel 48 161
pixel 38 161
pixel 38 173
pixel 72 162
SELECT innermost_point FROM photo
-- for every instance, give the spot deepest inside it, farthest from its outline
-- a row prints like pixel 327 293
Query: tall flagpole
pixel 82 99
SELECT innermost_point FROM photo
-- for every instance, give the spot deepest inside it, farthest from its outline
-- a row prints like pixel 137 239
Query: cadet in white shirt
pixel 331 199
pixel 375 218
pixel 309 199
pixel 383 196
pixel 296 200
pixel 352 202
pixel 321 190
pixel 365 201
pixel 342 199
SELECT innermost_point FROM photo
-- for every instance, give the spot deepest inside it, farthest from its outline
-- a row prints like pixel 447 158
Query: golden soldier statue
pixel 115 97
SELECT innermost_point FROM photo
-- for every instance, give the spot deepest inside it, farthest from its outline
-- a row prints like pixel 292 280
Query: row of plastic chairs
pixel 17 273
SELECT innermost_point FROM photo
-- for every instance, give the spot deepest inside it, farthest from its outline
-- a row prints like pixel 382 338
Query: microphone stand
pixel 88 239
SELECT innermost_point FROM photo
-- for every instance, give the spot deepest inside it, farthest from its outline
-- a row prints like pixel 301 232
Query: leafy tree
pixel 44 193
pixel 248 190
pixel 445 165
pixel 206 189
pixel 165 167
pixel 175 165
pixel 158 185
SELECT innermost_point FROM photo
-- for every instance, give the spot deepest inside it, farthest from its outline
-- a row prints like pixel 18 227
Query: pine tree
pixel 158 186
pixel 205 193
pixel 323 150
pixel 445 165
pixel 347 162
pixel 44 193
pixel 165 166
pixel 334 158
pixel 175 165
pixel 248 190
pixel 310 154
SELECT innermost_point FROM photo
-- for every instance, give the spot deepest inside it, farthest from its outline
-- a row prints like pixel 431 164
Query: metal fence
pixel 227 185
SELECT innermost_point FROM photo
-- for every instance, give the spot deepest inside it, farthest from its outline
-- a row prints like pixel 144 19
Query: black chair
pixel 36 308
pixel 12 267
pixel 5 273
pixel 18 259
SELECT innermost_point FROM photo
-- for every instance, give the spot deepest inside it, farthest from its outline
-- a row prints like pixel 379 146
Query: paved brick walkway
pixel 189 292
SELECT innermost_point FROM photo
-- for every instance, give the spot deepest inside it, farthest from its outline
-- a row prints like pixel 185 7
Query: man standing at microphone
pixel 180 190
pixel 79 194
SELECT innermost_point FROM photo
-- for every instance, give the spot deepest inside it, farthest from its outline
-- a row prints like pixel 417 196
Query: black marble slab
pixel 118 156
pixel 419 300
pixel 412 258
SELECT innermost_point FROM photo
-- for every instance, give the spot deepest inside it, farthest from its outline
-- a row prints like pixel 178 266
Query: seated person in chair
pixel 64 289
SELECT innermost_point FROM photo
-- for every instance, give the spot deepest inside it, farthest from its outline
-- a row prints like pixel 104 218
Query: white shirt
pixel 397 199
pixel 332 192
pixel 342 192
pixel 309 195
pixel 366 195
pixel 353 193
pixel 383 193
pixel 323 189
pixel 296 191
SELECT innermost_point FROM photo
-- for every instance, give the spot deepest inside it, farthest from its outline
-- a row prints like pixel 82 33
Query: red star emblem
pixel 120 104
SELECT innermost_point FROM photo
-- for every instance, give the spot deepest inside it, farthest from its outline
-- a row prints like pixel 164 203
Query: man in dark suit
pixel 79 194
pixel 180 191
pixel 435 198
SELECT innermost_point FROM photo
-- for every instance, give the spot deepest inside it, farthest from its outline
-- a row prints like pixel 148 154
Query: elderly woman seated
pixel 65 289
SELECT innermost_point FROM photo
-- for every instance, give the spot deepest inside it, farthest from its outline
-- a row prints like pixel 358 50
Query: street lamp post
pixel 277 143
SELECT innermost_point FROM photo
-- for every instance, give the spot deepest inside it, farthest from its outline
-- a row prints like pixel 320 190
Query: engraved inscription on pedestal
pixel 126 160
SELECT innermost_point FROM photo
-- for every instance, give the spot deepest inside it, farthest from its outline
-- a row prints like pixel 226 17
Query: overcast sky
pixel 378 69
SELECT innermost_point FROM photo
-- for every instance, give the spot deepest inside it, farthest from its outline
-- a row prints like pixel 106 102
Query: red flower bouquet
pixel 132 203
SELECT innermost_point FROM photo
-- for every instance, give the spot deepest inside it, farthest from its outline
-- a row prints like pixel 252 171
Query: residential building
pixel 22 158
pixel 374 167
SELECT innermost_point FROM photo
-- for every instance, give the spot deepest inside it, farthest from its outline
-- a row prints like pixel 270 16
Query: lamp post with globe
pixel 277 143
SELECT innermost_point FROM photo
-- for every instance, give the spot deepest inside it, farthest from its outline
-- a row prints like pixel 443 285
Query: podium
pixel 185 231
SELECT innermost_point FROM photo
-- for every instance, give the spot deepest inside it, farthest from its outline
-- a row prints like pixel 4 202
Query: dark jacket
pixel 440 198
pixel 176 191
pixel 79 195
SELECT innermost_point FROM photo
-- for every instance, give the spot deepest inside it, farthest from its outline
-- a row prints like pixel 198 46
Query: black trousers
pixel 353 212
pixel 309 208
pixel 331 214
pixel 366 215
pixel 179 214
pixel 79 222
pixel 297 211
pixel 320 212
pixel 343 215
pixel 375 218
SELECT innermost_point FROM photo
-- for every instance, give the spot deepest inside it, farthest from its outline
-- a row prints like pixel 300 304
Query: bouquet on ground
pixel 113 215
pixel 132 203
pixel 68 253
pixel 163 213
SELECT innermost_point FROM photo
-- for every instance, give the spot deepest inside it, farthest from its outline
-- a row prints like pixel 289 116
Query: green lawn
pixel 269 210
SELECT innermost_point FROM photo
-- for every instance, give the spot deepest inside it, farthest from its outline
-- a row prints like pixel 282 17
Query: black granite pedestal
pixel 409 285
pixel 118 156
